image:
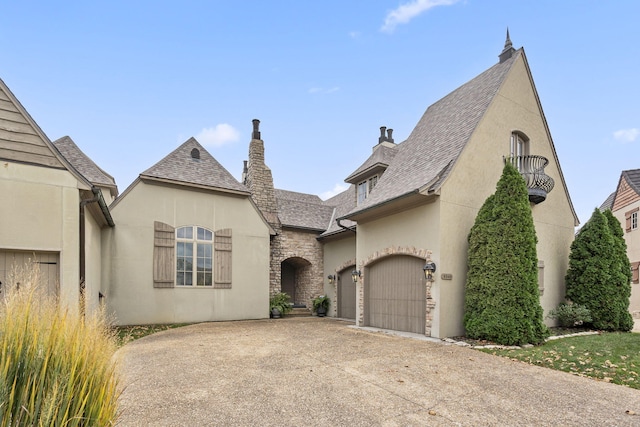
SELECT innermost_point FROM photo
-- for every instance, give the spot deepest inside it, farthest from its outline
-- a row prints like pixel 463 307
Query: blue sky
pixel 129 81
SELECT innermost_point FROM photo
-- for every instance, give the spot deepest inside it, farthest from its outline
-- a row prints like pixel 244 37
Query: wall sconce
pixel 355 274
pixel 331 278
pixel 429 268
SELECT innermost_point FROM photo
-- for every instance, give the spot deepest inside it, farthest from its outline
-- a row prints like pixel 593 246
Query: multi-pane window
pixel 194 256
pixel 519 149
pixel 634 220
pixel 365 187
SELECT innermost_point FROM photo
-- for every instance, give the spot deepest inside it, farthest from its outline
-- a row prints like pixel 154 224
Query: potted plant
pixel 279 305
pixel 321 305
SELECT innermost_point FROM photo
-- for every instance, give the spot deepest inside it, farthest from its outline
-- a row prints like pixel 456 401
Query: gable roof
pixel 300 210
pixel 632 177
pixel 608 203
pixel 424 159
pixel 179 167
pixel 379 160
pixel 83 164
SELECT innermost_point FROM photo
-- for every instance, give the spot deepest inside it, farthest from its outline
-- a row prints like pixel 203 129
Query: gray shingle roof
pixel 302 210
pixel 608 204
pixel 437 140
pixel 82 163
pixel 341 204
pixel 632 176
pixel 379 159
pixel 180 167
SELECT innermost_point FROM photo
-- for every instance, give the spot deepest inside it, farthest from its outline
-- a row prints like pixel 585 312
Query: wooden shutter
pixel 164 260
pixel 222 259
pixel 635 276
pixel 627 217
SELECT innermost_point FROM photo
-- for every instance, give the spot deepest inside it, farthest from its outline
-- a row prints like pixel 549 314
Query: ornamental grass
pixel 56 367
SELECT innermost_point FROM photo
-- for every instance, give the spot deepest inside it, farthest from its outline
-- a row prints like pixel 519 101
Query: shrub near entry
pixel 56 368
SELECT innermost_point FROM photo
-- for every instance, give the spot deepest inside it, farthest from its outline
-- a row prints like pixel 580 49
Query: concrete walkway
pixel 313 372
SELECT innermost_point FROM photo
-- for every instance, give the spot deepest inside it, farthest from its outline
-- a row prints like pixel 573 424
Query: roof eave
pixel 193 185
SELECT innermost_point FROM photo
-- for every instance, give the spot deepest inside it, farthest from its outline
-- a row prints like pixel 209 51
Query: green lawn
pixel 609 356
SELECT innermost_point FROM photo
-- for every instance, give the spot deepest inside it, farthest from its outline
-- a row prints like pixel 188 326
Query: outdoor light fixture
pixel 331 278
pixel 355 274
pixel 429 268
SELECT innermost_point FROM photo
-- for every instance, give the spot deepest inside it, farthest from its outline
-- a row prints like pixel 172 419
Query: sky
pixel 129 81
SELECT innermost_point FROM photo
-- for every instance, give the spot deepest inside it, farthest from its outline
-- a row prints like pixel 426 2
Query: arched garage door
pixel 395 294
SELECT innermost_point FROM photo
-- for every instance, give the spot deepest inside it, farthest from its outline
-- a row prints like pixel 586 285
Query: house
pixel 416 201
pixel 54 208
pixel 190 245
pixel 625 205
pixel 187 242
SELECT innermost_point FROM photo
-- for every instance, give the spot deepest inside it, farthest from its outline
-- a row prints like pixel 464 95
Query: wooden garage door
pixel 346 294
pixel 48 263
pixel 395 294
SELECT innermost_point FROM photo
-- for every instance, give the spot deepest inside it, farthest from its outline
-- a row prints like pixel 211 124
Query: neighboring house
pixel 189 246
pixel 54 206
pixel 417 201
pixel 625 206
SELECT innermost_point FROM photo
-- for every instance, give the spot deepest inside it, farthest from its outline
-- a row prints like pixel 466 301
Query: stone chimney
pixel 259 178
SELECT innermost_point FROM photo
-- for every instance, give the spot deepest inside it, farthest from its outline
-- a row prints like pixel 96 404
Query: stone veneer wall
pixel 299 244
pixel 390 251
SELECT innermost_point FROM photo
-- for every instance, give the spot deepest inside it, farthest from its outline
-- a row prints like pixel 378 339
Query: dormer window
pixel 364 188
pixel 195 154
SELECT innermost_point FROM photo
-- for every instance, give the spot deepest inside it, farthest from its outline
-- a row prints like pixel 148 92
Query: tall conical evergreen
pixel 502 298
pixel 596 278
pixel 622 280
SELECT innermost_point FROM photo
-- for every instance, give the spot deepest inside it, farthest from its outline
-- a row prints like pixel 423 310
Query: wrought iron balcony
pixel 531 168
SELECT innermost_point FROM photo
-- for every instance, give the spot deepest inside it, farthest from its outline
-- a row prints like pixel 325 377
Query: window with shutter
pixel 163 255
pixel 631 220
pixel 635 276
pixel 222 259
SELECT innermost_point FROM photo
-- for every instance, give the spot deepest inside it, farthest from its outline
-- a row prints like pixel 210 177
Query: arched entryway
pixel 295 277
pixel 346 291
pixel 395 294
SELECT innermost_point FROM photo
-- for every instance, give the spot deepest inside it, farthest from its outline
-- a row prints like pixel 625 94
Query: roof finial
pixel 508 50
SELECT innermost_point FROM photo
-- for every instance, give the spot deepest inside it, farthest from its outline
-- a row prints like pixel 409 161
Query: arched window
pixel 194 256
pixel 519 144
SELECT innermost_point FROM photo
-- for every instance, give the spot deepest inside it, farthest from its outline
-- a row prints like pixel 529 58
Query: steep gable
pixel 21 139
pixel 423 161
pixel 191 165
pixel 628 190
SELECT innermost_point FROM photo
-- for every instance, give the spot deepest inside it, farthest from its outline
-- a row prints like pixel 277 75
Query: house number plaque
pixel 446 276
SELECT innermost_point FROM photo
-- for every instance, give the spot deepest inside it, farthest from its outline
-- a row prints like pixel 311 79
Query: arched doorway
pixel 346 291
pixel 295 275
pixel 395 294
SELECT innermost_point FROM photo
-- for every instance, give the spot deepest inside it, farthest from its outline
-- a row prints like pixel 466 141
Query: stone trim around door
pixel 392 251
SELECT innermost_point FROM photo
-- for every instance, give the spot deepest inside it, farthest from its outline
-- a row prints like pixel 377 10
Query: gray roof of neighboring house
pixel 180 167
pixel 380 158
pixel 608 203
pixel 341 204
pixel 82 163
pixel 427 155
pixel 300 210
pixel 632 176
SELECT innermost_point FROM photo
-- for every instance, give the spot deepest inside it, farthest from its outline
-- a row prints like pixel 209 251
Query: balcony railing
pixel 531 168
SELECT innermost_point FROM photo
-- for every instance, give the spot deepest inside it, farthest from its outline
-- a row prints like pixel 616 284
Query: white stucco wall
pixel 128 272
pixel 39 212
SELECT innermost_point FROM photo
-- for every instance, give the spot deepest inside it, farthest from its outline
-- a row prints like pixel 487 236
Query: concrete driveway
pixel 319 371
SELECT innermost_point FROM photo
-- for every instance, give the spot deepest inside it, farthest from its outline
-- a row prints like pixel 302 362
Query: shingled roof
pixel 424 160
pixel 198 168
pixel 379 160
pixel 341 204
pixel 632 177
pixel 300 210
pixel 83 164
